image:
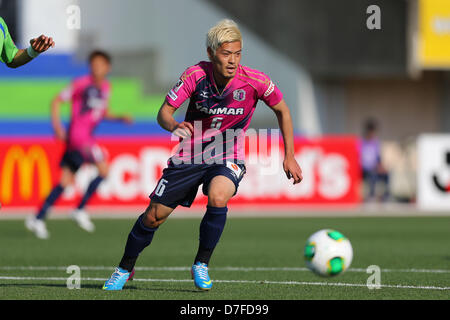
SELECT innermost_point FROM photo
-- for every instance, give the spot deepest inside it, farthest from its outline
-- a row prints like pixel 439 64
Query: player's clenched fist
pixel 183 129
pixel 14 57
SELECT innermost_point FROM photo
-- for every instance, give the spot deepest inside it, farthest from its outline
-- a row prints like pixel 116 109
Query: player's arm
pixel 37 46
pixel 58 127
pixel 167 121
pixel 113 117
pixel 290 165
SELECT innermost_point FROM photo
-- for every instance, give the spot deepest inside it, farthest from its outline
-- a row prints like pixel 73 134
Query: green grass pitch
pixel 257 258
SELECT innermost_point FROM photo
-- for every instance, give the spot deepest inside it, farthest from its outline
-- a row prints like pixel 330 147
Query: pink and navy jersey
pixel 226 111
pixel 89 106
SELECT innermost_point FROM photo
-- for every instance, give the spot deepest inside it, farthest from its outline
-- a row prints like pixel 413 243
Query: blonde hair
pixel 224 31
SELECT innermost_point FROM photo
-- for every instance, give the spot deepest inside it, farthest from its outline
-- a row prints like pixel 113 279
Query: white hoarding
pixel 433 172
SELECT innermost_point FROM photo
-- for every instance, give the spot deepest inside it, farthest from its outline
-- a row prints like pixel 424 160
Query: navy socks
pixel 58 190
pixel 211 228
pixel 139 238
pixel 52 197
pixel 90 191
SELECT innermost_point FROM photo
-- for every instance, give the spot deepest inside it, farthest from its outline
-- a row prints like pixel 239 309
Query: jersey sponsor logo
pixel 219 110
pixel 239 95
pixel 234 168
pixel 178 85
pixel 173 95
pixel 270 89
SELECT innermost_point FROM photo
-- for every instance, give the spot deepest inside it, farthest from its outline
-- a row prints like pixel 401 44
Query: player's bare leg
pixel 220 191
pixel 156 214
pixel 103 168
pixel 67 177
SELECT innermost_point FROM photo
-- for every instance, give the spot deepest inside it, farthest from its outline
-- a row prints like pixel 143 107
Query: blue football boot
pixel 118 279
pixel 200 275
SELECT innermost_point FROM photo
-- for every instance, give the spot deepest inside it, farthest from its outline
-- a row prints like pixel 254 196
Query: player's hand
pixel 127 119
pixel 292 169
pixel 42 43
pixel 183 129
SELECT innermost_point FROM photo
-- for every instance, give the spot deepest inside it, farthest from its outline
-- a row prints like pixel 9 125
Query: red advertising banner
pixel 30 167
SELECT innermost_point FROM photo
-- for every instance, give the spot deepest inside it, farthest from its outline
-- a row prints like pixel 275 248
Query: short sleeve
pixel 66 94
pixel 9 49
pixel 270 93
pixel 182 90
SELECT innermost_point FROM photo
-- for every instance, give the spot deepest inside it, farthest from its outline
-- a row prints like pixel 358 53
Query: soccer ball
pixel 328 253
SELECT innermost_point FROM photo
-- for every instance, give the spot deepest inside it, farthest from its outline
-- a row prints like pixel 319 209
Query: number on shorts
pixel 160 188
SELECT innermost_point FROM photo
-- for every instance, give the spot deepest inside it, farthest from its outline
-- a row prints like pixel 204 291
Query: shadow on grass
pixel 94 286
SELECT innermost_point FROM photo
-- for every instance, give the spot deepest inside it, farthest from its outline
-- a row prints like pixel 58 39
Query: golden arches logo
pixel 27 162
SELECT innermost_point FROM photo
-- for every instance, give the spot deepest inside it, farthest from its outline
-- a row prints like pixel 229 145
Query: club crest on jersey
pixel 239 95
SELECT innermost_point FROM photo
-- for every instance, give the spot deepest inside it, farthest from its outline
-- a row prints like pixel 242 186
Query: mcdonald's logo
pixel 34 159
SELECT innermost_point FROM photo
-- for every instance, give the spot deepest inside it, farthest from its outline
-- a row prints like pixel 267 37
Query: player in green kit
pixel 14 57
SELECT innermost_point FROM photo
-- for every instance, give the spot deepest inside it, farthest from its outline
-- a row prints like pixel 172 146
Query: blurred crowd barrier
pixel 29 169
pixel 418 170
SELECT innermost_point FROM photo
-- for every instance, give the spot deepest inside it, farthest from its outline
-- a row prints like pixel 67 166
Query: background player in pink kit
pixel 89 96
pixel 223 96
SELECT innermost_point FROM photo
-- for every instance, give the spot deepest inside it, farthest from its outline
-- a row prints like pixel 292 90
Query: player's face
pixel 100 67
pixel 227 59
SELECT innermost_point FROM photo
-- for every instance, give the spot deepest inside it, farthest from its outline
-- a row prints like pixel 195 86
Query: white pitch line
pixel 302 283
pixel 241 269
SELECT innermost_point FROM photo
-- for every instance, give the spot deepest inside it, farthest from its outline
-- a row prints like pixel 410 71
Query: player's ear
pixel 210 53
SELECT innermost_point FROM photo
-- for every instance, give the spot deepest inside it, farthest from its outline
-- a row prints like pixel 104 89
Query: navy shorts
pixel 72 159
pixel 179 182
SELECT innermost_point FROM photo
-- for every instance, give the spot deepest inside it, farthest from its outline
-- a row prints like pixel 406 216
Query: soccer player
pixel 14 57
pixel 223 96
pixel 90 97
